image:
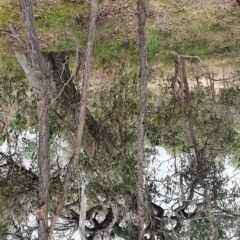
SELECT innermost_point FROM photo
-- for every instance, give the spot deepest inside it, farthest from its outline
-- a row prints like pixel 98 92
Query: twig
pixel 74 71
pixel 223 79
pixel 16 35
pixel 172 229
pixel 186 56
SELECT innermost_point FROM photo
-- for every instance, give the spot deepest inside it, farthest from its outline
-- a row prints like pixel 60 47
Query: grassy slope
pixel 208 29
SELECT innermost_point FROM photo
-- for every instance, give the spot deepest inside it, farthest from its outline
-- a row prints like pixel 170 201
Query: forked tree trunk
pixel 40 85
pixel 142 113
pixel 68 102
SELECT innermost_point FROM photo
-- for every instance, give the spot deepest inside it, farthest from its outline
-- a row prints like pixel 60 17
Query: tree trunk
pixel 83 205
pixel 142 113
pixel 82 111
pixel 94 140
pixel 184 80
pixel 58 71
pixel 40 86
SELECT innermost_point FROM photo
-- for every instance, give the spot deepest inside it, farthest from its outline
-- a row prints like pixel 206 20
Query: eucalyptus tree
pixel 193 125
pixel 142 114
pixel 39 81
pixel 38 75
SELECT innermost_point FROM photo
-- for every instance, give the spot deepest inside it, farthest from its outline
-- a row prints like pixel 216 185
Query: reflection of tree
pixel 196 191
pixel 194 195
pixel 192 202
pixel 192 123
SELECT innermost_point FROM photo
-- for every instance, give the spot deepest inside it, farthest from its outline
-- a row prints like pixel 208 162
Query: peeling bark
pixel 37 72
pixel 68 102
pixel 59 73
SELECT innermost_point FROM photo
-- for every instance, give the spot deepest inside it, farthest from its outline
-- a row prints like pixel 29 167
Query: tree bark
pixel 142 113
pixel 94 140
pixel 184 80
pixel 82 111
pixel 58 71
pixel 83 206
pixel 40 86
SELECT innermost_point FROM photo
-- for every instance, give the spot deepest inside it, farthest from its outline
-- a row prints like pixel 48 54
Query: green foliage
pixel 187 30
pixel 113 54
pixel 19 122
pixel 55 23
pixel 236 147
pixel 125 233
pixel 192 31
pixel 13 89
pixel 30 149
pixel 202 227
pixel 9 12
pixel 119 102
pixel 54 125
pixel 158 47
pixel 115 105
pixel 13 205
pixel 59 25
pixel 64 43
pixel 115 108
pixel 229 96
pixel 215 132
pixel 9 65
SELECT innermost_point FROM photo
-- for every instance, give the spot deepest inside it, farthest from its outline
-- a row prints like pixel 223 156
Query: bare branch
pixel 82 111
pixel 74 71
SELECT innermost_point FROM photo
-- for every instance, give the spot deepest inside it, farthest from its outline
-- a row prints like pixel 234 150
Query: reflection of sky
pixel 161 166
pixel 21 147
pixel 161 170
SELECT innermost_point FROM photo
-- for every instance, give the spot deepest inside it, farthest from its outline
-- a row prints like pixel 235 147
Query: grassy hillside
pixel 209 29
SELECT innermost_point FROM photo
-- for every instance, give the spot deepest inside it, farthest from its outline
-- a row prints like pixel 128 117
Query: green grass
pixel 54 21
pixel 120 50
pixel 62 44
pixel 9 12
pixel 205 32
pixel 59 17
pixel 113 45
